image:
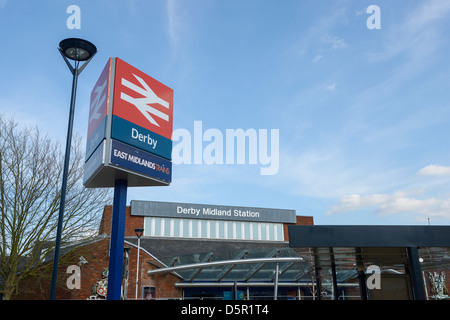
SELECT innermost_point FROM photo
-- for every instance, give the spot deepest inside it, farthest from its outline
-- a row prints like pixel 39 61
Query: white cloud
pixel 435 170
pixel 335 42
pixel 331 87
pixel 317 58
pixel 396 203
pixel 356 201
pixel 175 22
pixel 414 202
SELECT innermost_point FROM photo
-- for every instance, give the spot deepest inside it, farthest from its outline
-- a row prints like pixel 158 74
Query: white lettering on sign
pixel 142 104
pixel 120 154
pixel 192 211
pixel 146 138
pixel 216 212
pixel 247 213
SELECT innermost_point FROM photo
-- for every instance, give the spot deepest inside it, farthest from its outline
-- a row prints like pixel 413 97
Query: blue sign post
pixel 117 238
pixel 129 145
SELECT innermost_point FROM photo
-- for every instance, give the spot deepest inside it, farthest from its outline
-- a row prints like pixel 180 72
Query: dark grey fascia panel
pixel 368 236
pixel 209 211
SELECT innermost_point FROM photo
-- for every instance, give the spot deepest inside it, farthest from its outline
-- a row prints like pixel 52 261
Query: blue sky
pixel 363 115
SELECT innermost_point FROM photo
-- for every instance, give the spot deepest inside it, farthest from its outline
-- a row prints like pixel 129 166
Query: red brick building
pixel 174 233
pixel 192 251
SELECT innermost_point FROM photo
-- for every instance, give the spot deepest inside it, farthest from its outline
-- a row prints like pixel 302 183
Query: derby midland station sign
pixel 207 211
pixel 130 129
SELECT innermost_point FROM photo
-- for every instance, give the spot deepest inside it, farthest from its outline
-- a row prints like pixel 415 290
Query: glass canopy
pixel 300 270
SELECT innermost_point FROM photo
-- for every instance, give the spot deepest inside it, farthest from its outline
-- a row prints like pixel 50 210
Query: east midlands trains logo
pixel 142 100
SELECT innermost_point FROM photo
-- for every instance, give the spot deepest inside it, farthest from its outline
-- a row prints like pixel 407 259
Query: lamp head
pixel 139 232
pixel 77 49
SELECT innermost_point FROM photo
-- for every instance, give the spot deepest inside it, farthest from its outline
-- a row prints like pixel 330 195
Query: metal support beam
pixel 302 274
pixel 222 263
pixel 195 273
pixel 283 270
pixel 228 269
pixel 275 286
pixel 250 284
pixel 333 275
pixel 416 274
pixel 173 261
pixel 255 270
pixel 317 274
pixel 361 274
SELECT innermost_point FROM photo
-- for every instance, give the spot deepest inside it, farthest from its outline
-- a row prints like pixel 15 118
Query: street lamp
pixel 77 50
pixel 139 235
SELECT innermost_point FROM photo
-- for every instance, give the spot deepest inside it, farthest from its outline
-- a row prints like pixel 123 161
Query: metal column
pixel 416 274
pixel 117 239
pixel 361 274
pixel 275 287
pixel 333 275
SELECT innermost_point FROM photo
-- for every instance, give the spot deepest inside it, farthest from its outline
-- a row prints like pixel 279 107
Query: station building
pixel 184 234
pixel 201 251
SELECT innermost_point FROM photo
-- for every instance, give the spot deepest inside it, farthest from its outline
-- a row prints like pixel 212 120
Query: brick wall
pixel 300 220
pixel 97 256
pixel 164 284
pixel 132 222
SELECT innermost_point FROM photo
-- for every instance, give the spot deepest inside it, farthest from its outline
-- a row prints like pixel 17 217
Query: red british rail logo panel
pixel 142 100
pixel 99 100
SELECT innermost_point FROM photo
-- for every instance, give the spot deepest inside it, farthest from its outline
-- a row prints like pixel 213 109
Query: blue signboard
pixel 95 139
pixel 141 162
pixel 95 162
pixel 141 138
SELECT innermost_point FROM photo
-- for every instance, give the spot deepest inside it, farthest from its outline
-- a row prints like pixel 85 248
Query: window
pixel 195 228
pixel 229 228
pixel 204 228
pixel 246 232
pixel 176 227
pixel 255 231
pixel 149 293
pixel 185 228
pixel 238 229
pixel 212 229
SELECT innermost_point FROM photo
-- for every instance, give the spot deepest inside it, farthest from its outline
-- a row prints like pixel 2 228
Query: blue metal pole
pixel 117 238
pixel 64 185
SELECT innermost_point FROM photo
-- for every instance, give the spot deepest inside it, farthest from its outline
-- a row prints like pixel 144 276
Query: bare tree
pixel 31 166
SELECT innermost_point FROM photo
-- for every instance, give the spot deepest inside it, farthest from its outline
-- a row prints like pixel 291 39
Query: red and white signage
pixel 142 100
pixel 130 129
pixel 99 99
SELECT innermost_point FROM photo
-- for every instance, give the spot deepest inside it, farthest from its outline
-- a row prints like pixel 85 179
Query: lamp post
pixel 139 235
pixel 77 50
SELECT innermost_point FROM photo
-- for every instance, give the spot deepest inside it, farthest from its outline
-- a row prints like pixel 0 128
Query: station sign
pixel 211 212
pixel 130 129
